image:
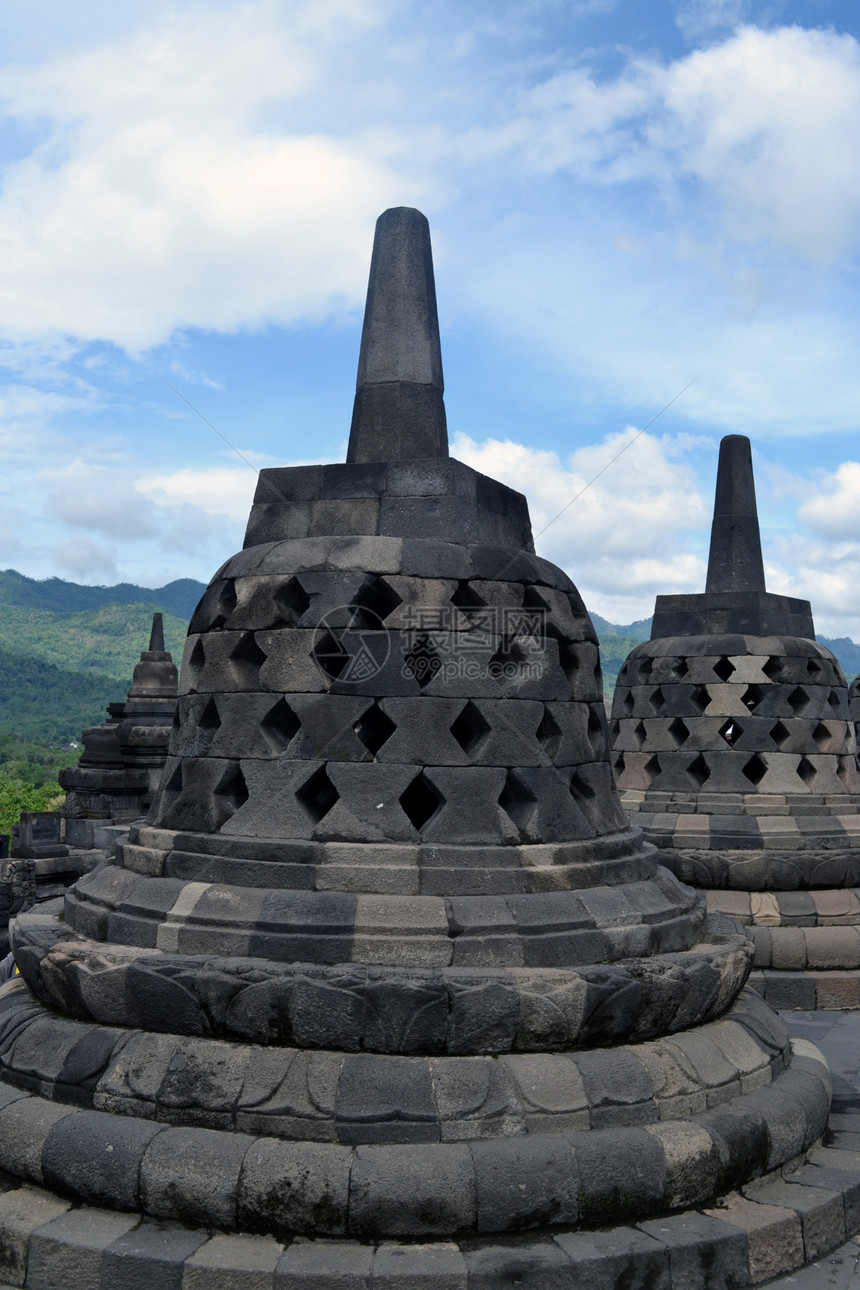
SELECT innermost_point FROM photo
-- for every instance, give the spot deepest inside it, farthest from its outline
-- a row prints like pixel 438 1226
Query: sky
pixel 646 227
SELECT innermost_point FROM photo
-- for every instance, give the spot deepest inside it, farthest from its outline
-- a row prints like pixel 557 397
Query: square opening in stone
pixel 471 728
pixel 517 801
pixel 279 725
pixel 806 770
pixel 752 697
pixel 290 601
pixel 679 731
pixel 724 668
pixel 730 731
pixel 421 800
pixel 549 733
pixel 700 698
pixel 773 668
pixel 317 795
pixel 779 734
pixel 798 699
pixel 700 770
pixel 755 769
pixel 374 728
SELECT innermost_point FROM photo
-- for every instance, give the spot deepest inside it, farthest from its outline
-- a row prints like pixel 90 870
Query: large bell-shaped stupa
pixel 387 992
pixel 734 748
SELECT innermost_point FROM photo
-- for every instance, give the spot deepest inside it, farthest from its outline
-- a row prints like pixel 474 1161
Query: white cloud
pixel 217 490
pixel 701 18
pixel 160 198
pixel 833 510
pixel 623 535
pixel 86 558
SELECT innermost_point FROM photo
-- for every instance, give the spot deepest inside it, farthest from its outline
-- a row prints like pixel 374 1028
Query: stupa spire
pixel 156 635
pixel 735 562
pixel 399 411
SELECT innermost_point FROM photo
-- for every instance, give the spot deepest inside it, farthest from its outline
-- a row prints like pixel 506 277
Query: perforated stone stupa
pixel 734 747
pixel 387 992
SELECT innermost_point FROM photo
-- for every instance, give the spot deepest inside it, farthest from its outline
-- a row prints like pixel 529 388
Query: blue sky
pixel 624 198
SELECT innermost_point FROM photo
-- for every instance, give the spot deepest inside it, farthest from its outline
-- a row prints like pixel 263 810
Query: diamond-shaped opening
pixel 779 734
pixel 806 770
pixel 580 789
pixel 629 703
pixel 517 801
pixel 646 667
pixel 652 766
pixel 597 729
pixel 821 734
pixel 198 655
pixel 247 657
pixel 549 733
pixel 616 729
pixel 330 655
pixel 621 678
pixel 466 597
pixel 374 601
pixel 755 769
pixel 700 698
pixel 679 731
pixel 226 602
pixel 731 731
pixel 640 733
pixel 471 728
pixel 291 601
pixel 833 700
pixel 620 764
pixel 752 697
pixel 231 789
pixel 724 668
pixel 209 718
pixel 279 725
pixel 813 668
pixel 657 700
pixel 422 661
pixel 174 780
pixel 374 728
pixel 680 668
pixel 798 699
pixel 700 770
pixel 773 668
pixel 542 620
pixel 568 657
pixel 420 801
pixel 317 795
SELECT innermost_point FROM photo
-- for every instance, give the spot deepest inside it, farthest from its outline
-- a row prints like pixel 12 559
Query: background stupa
pixel 733 743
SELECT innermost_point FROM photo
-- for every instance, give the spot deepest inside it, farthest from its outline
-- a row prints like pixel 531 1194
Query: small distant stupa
pixel 734 747
pixel 122 760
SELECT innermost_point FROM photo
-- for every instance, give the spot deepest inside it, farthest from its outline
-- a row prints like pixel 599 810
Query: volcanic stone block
pixel 68 1251
pixel 98 1156
pixel 474 1097
pixel 619 1170
pixel 504 1203
pixel 232 1262
pixel 23 1212
pixel 325 1265
pixel 151 1256
pixel 286 1186
pixel 395 1188
pixel 385 1099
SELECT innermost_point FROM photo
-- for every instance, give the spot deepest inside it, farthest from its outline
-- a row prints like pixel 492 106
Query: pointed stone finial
pixel 399 411
pixel 735 562
pixel 156 636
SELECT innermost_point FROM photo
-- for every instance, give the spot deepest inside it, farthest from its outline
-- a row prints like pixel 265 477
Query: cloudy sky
pixel 627 201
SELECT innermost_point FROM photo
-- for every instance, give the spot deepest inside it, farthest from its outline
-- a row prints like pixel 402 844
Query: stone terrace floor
pixel 837 1034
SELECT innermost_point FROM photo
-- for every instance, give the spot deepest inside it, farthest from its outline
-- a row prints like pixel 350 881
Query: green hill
pixel 53 594
pixel 67 650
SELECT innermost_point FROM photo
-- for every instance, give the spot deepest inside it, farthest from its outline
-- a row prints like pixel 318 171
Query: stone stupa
pixel 735 752
pixel 387 993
